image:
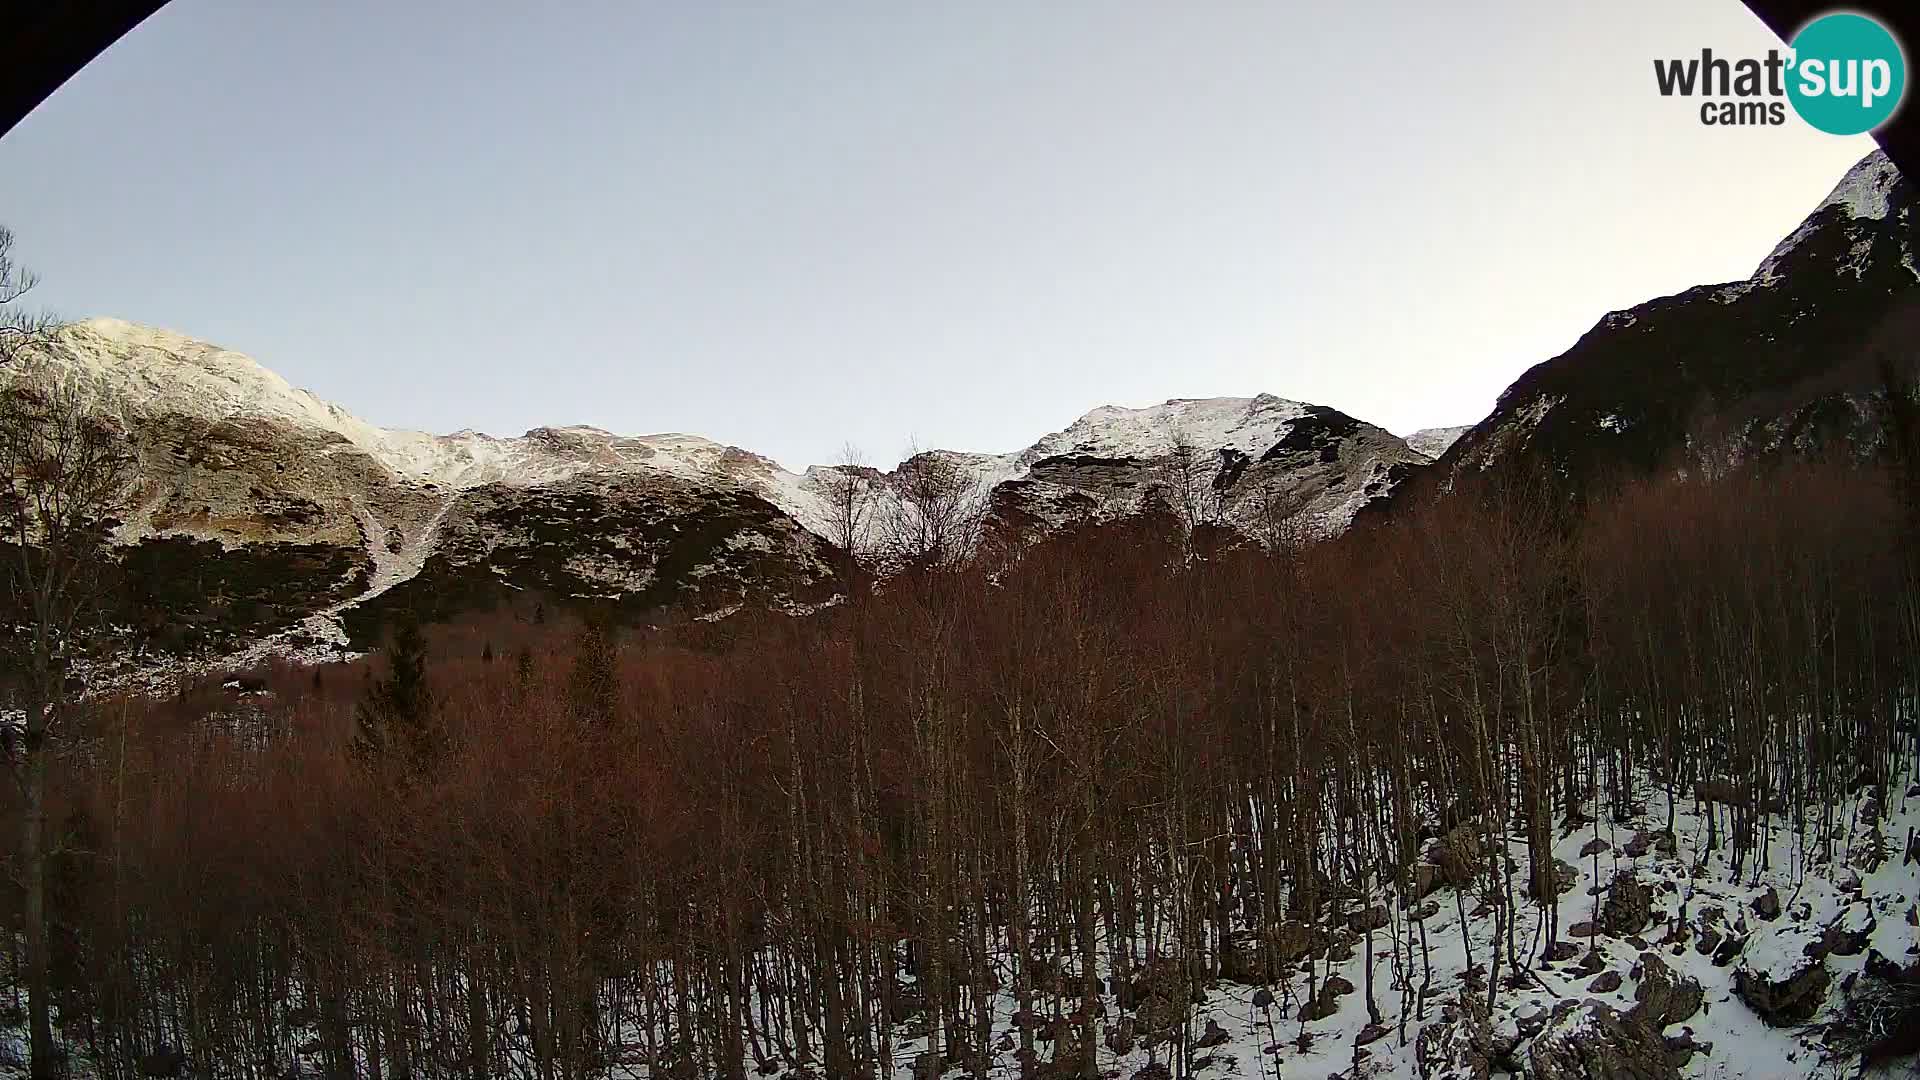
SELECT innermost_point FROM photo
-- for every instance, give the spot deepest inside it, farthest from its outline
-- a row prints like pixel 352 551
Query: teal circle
pixel 1837 60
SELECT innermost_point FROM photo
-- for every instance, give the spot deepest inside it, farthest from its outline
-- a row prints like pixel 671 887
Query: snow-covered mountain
pixel 262 507
pixel 264 510
pixel 1248 464
pixel 156 376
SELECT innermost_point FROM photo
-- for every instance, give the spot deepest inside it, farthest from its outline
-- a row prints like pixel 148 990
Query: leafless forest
pixel 1122 763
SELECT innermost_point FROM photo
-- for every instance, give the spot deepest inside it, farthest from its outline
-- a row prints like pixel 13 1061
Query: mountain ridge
pixel 288 514
pixel 293 516
pixel 136 369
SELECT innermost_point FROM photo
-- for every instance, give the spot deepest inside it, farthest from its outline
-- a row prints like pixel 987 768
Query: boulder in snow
pixel 1628 907
pixel 1780 977
pixel 1462 1044
pixel 1595 1042
pixel 1663 997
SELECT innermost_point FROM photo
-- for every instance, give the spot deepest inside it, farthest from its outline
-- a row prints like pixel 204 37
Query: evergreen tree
pixel 396 721
pixel 1900 405
pixel 595 680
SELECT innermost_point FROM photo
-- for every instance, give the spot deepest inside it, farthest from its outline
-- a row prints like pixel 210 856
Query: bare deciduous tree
pixel 1182 472
pixel 849 490
pixel 942 509
pixel 1277 520
pixel 19 327
pixel 64 472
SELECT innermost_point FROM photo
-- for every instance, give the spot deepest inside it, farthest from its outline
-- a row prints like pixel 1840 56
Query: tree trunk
pixel 33 858
pixel 480 1061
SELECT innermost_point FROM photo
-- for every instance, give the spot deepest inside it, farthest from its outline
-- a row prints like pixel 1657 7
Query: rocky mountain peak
pixel 1872 190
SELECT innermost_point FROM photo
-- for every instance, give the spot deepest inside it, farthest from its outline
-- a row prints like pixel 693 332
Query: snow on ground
pixel 1554 1002
pixel 1734 1042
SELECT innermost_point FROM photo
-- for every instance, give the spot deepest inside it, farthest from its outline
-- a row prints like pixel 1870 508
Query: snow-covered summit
pixel 1434 441
pixel 143 372
pixel 1866 190
pixel 1864 193
pixel 1120 456
pixel 1146 434
pixel 1249 425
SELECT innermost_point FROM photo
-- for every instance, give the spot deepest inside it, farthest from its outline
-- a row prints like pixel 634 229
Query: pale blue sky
pixel 789 225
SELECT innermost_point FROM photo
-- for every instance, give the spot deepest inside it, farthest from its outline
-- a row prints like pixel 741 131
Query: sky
pixel 796 226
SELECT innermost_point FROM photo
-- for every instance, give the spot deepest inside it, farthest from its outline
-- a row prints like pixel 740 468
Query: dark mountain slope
pixel 1786 360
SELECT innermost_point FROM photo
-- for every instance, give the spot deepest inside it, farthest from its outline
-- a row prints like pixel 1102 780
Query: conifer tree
pixel 595 680
pixel 396 722
pixel 1901 408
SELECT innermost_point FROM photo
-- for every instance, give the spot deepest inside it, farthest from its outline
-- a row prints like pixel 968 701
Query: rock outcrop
pixel 1595 1042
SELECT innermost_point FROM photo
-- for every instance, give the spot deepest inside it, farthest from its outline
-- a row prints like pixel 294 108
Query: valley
pixel 1220 737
